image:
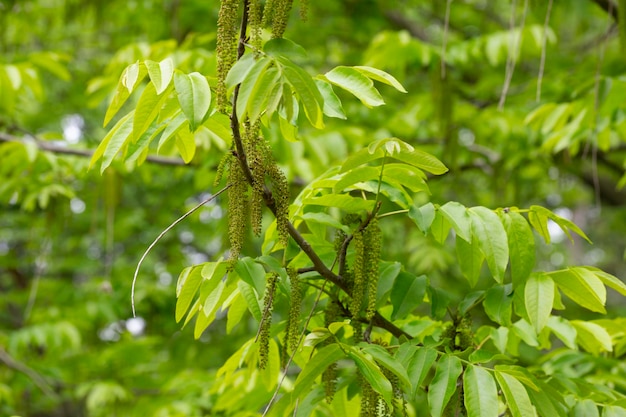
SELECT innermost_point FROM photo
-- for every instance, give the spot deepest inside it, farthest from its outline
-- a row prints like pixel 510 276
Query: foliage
pixel 392 233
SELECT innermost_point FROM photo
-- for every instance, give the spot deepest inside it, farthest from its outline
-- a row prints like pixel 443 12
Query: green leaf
pixel 341 201
pixel 407 293
pixel 355 83
pixel 382 76
pixel 252 273
pixel 564 330
pixel 251 299
pixel 521 246
pixel 564 224
pixel 260 95
pixel 539 221
pixel 359 174
pixel 384 359
pixel 252 82
pixel 546 403
pixel 470 259
pixel 173 126
pixel 113 142
pixel 422 160
pixel 186 143
pixel 332 104
pixel 521 374
pixel 593 337
pixel 279 47
pixel 360 157
pixel 188 284
pixel 423 216
pixel 440 227
pixel 194 96
pixel 539 299
pixel 613 411
pixel 498 304
pixel 420 365
pixel 408 176
pixel 236 311
pixel 371 372
pixel 240 70
pixel 147 110
pixel 443 385
pixel 310 97
pixel 492 239
pixel 325 219
pixel 608 279
pixel 517 399
pixel 480 392
pixel 581 286
pixel 160 73
pixel 457 216
pixel 585 408
pixel 313 368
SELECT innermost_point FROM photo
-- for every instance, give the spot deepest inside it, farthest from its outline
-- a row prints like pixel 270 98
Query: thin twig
pixel 170 227
pixel 29 372
pixel 85 153
pixel 544 44
pixel 284 375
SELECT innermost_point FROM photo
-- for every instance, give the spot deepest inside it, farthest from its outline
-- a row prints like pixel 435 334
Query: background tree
pixel 522 103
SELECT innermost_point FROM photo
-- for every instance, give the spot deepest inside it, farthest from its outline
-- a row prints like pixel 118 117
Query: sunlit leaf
pixel 480 392
pixel 444 384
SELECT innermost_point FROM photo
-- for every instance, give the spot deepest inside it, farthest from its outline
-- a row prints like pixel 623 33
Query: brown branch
pixel 318 265
pixel 609 7
pixel 29 372
pixel 85 153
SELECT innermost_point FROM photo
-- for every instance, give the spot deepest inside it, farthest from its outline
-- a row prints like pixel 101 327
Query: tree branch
pixel 609 7
pixel 29 372
pixel 85 153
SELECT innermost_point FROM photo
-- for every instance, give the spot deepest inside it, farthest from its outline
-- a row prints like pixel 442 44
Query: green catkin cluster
pixel 276 14
pixel 280 191
pixel 332 313
pixel 226 48
pixel 359 285
pixel 365 269
pixel 266 321
pixel 369 399
pixel 293 323
pixel 254 22
pixel 398 403
pixel 304 10
pixel 221 167
pixel 255 148
pixel 237 209
pixel 372 239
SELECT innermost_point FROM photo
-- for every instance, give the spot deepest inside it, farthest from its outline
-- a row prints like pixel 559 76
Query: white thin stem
pixel 170 227
pixel 284 375
pixel 516 43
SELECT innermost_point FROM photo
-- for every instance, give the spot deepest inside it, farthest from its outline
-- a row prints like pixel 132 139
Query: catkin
pixel 237 213
pixel 372 239
pixel 254 22
pixel 358 271
pixel 226 48
pixel 266 322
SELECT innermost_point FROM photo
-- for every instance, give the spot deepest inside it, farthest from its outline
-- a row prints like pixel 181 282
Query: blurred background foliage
pixel 70 238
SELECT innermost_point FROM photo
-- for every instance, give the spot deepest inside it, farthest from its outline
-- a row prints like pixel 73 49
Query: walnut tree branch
pixel 85 153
